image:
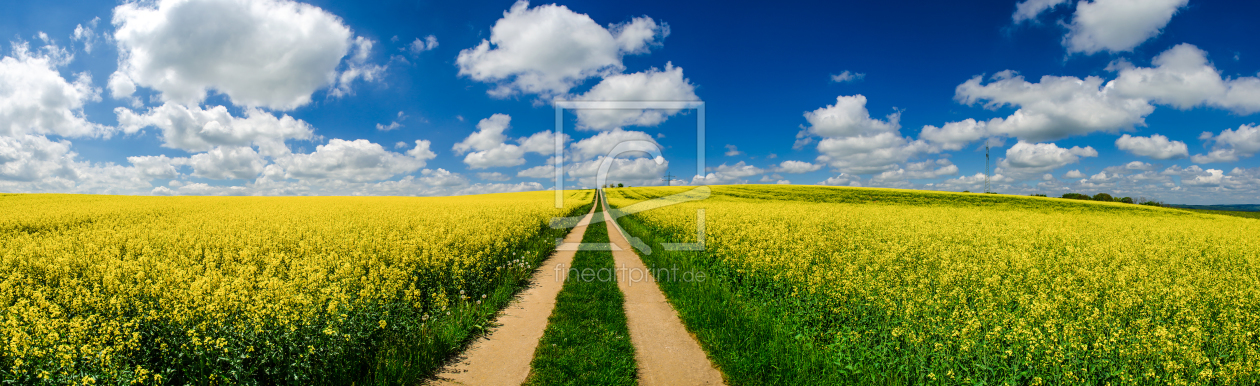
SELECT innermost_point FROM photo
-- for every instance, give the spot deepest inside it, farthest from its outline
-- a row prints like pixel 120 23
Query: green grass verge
pixel 587 341
pixel 412 355
pixel 757 333
pixel 750 339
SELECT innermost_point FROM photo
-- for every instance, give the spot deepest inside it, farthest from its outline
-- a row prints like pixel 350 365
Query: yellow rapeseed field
pixel 294 290
pixel 899 286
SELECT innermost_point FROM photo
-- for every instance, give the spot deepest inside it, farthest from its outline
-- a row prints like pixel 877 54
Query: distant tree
pixel 1039 195
pixel 1127 200
pixel 1075 196
pixel 1103 197
pixel 966 191
pixel 620 185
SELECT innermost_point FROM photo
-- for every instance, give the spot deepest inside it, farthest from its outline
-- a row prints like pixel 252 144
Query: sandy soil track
pixel 503 356
pixel 666 353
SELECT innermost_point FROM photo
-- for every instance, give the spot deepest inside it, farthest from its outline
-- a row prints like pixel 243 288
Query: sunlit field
pixel 119 290
pixel 821 285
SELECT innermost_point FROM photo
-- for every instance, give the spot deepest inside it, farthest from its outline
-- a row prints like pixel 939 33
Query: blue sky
pixel 1156 99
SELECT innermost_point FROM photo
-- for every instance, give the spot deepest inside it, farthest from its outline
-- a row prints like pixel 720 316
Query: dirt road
pixel 503 356
pixel 666 353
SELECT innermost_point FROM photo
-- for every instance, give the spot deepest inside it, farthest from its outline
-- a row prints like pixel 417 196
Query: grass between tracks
pixel 747 338
pixel 827 286
pixel 587 341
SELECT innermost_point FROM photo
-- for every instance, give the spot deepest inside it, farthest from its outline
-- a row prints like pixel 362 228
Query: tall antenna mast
pixel 986 168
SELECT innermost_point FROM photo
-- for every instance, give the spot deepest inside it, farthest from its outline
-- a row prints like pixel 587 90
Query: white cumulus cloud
pixel 1060 107
pixel 489 134
pixel 974 183
pixel 392 124
pixel 842 179
pixel 918 171
pixel 486 147
pixel 493 176
pixel 955 135
pixel 1056 107
pixel 540 171
pixel 854 142
pixel 797 167
pixel 650 85
pixel 1030 160
pixel 549 49
pixel 1210 177
pixel 422 151
pixel 195 129
pixel 428 44
pixel 1230 145
pixel 228 162
pixel 603 143
pixel 1029 9
pixel 1117 25
pixel 355 161
pixel 847 118
pixel 504 155
pixel 1139 165
pixel 265 53
pixel 728 174
pixel 35 99
pixel 1155 146
pixel 642 171
pixel 29 158
pixel 543 142
pixel 357 67
pixel 86 35
pixel 869 153
pixel 159 166
pixel 1183 77
pixel 36 164
pixel 847 76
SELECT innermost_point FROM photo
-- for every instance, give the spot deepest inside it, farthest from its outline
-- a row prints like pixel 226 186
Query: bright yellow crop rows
pixel 266 290
pixel 970 287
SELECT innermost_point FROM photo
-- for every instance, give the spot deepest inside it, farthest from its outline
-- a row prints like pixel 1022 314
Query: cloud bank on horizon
pixel 279 97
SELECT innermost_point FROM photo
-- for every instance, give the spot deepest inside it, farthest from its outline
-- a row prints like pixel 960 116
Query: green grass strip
pixel 409 358
pixel 587 341
pixel 747 337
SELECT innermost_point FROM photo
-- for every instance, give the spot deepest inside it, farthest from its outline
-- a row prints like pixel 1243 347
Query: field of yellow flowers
pixel 821 285
pixel 253 290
